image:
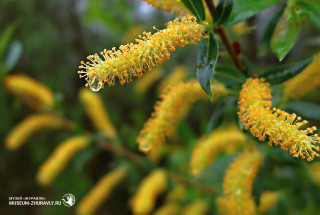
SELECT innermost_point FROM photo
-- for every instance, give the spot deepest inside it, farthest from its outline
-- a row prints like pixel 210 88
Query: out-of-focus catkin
pixel 207 149
pixel 169 208
pixel 279 126
pixel 97 112
pixel 144 200
pixel 306 81
pixel 21 132
pixel 146 82
pixel 60 158
pixel 173 6
pixel 314 171
pixel 29 89
pixel 165 116
pixel 101 191
pixel 178 74
pixel 199 207
pixel 268 200
pixel 237 185
pixel 133 60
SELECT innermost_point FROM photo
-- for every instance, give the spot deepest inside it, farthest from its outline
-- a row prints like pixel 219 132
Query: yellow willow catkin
pixel 26 87
pixel 170 208
pixel 166 114
pixel 306 81
pixel 199 207
pixel 135 59
pixel 173 6
pixel 144 200
pixel 280 127
pixel 314 172
pixel 207 149
pixel 60 158
pixel 101 191
pixel 29 126
pixel 97 112
pixel 268 200
pixel 237 185
pixel 178 74
pixel 146 82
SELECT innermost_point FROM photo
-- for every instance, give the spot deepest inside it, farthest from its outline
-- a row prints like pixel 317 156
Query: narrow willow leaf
pixel 314 8
pixel 222 12
pixel 281 74
pixel 304 109
pixel 5 38
pixel 231 77
pixel 196 7
pixel 14 53
pixel 206 62
pixel 264 44
pixel 285 36
pixel 244 9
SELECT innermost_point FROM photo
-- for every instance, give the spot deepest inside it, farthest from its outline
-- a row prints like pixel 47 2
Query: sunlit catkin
pixel 144 200
pixel 29 89
pixel 280 127
pixel 268 200
pixel 207 149
pixel 166 114
pixel 173 6
pixel 59 159
pixel 97 112
pixel 132 60
pixel 237 185
pixel 101 191
pixel 29 126
pixel 306 81
pixel 199 207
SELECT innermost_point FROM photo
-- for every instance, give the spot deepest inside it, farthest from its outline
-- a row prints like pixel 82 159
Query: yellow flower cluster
pixel 59 159
pixel 199 207
pixel 132 60
pixel 29 89
pixel 315 172
pixel 237 185
pixel 147 81
pixel 173 6
pixel 280 127
pixel 207 149
pixel 97 113
pixel 178 74
pixel 28 127
pixel 306 81
pixel 164 118
pixel 144 200
pixel 268 200
pixel 101 191
pixel 170 208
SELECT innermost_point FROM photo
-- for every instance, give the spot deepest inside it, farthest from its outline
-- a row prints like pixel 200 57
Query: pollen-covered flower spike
pixel 132 60
pixel 237 185
pixel 280 127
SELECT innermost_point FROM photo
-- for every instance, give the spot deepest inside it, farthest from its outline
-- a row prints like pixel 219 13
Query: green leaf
pixel 314 8
pixel 229 76
pixel 304 109
pixel 264 44
pixel 196 7
pixel 206 61
pixel 285 35
pixel 244 9
pixel 14 53
pixel 281 74
pixel 222 12
pixel 5 38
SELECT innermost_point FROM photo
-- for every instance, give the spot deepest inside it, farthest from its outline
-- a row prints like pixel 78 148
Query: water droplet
pixel 96 84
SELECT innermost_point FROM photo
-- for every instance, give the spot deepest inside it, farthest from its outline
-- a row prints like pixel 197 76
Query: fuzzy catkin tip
pixel 133 60
pixel 279 126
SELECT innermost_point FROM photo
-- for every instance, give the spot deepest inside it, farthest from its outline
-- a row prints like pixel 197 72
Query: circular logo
pixel 68 200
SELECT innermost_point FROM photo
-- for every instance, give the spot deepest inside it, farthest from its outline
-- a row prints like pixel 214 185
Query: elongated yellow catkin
pixel 207 149
pixel 97 112
pixel 178 74
pixel 146 82
pixel 165 116
pixel 237 185
pixel 29 89
pixel 149 189
pixel 177 194
pixel 170 208
pixel 173 6
pixel 101 191
pixel 199 207
pixel 19 134
pixel 279 126
pixel 315 172
pixel 306 81
pixel 268 200
pixel 49 170
pixel 133 60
